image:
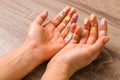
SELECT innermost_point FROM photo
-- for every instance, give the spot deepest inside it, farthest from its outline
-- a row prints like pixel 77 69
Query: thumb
pixel 99 44
pixel 41 18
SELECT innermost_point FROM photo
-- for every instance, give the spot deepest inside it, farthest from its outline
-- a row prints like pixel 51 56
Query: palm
pixel 77 55
pixel 40 35
pixel 47 34
pixel 74 54
pixel 49 38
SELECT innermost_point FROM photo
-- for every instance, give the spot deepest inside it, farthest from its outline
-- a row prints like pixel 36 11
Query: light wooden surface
pixel 16 15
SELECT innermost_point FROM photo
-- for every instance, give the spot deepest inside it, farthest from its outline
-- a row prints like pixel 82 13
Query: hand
pixel 76 55
pixel 42 42
pixel 46 40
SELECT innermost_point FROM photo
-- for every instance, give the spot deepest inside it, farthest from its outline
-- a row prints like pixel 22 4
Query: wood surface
pixel 16 15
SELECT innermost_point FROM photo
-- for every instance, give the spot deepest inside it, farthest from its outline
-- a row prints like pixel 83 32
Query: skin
pixel 41 44
pixel 78 54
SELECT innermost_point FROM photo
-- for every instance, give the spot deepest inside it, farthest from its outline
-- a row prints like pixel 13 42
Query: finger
pixel 86 31
pixel 103 28
pixel 63 24
pixel 103 38
pixel 93 30
pixel 74 18
pixel 99 44
pixel 67 28
pixel 59 17
pixel 41 18
pixel 70 34
pixel 76 35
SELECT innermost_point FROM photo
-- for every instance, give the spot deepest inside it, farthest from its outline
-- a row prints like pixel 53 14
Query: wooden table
pixel 16 15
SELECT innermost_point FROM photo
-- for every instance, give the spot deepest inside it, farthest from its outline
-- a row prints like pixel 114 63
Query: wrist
pixel 32 52
pixel 57 71
pixel 19 58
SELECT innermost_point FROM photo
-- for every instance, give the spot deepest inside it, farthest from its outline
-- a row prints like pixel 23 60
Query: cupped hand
pixel 78 54
pixel 46 40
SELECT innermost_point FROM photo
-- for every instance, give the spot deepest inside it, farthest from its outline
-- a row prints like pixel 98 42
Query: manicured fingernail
pixel 45 13
pixel 75 18
pixel 86 21
pixel 103 21
pixel 92 17
pixel 65 10
pixel 72 10
pixel 106 39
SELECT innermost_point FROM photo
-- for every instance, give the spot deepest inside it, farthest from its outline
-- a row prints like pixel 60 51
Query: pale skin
pixel 45 41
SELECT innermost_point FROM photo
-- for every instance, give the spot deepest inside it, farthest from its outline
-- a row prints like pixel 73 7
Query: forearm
pixel 18 63
pixel 56 71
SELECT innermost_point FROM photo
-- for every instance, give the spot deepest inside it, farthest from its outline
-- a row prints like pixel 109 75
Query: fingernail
pixel 45 13
pixel 66 8
pixel 92 17
pixel 74 24
pixel 106 39
pixel 103 21
pixel 72 10
pixel 86 21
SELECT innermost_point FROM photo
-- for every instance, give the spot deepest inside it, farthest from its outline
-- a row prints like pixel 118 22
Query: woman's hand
pixel 48 39
pixel 77 55
pixel 42 43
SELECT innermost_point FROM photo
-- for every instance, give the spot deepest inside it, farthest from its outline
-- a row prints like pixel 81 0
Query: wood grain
pixel 16 15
